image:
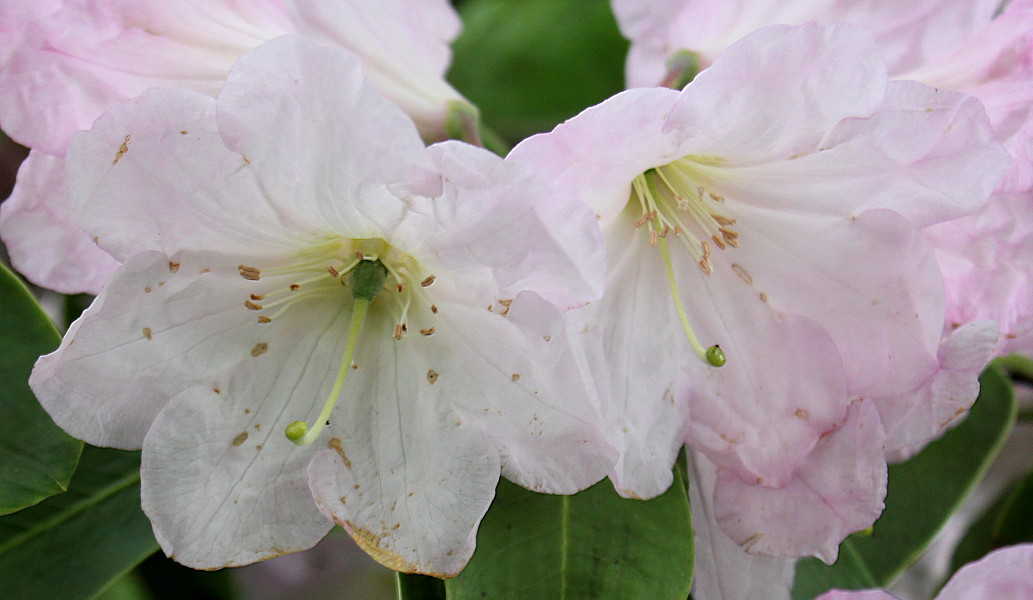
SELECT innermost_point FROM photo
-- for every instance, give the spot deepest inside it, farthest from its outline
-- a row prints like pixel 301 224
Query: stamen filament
pixel 713 355
pixel 366 281
pixel 299 432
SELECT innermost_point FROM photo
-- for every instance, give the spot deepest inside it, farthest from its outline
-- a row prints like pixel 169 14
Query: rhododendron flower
pixel 298 267
pixel 986 258
pixel 63 63
pixel 767 278
pixel 1005 574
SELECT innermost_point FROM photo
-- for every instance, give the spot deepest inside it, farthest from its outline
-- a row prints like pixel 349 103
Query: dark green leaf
pixel 1007 522
pixel 923 492
pixel 71 546
pixel 592 545
pixel 419 587
pixel 530 64
pixel 36 458
pixel 168 580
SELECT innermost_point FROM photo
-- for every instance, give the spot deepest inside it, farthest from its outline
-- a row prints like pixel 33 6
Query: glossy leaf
pixel 36 458
pixel 73 545
pixel 1007 522
pixel 922 493
pixel 531 64
pixel 419 587
pixel 592 545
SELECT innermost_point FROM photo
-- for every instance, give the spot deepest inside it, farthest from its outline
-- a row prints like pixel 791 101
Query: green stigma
pixel 715 357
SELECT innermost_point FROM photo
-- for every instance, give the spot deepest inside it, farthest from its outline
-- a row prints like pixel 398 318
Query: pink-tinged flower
pixel 65 63
pixel 1005 574
pixel 769 216
pixel 986 258
pixel 293 250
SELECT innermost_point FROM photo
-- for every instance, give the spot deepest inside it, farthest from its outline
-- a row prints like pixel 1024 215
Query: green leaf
pixel 36 458
pixel 530 64
pixel 73 545
pixel 592 545
pixel 1007 522
pixel 419 587
pixel 923 492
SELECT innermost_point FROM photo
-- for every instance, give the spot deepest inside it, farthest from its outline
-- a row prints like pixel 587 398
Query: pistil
pixel 366 280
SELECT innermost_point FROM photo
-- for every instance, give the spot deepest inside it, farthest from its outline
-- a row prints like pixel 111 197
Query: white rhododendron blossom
pixel 63 63
pixel 767 279
pixel 319 320
pixel 970 46
pixel 1005 574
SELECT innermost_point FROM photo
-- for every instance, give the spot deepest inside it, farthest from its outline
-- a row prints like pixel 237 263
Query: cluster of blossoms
pixel 795 267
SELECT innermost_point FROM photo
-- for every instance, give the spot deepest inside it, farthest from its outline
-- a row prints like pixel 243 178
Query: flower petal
pixel 723 570
pixel 399 470
pixel 128 190
pixel 349 171
pixel 160 326
pixel 43 242
pixel 404 45
pixel 495 213
pixel 582 160
pixel 222 485
pixel 756 103
pixel 915 419
pixel 1004 573
pixel 838 490
pixel 523 390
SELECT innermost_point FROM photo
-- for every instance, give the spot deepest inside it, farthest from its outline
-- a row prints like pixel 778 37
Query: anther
pixel 249 273
pixel 252 306
pixel 429 280
pixel 332 271
pixel 427 331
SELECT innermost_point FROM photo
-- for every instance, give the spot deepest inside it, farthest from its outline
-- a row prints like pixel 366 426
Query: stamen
pixel 367 278
pixel 713 355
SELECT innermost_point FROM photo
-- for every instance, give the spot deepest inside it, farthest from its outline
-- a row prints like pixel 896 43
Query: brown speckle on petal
pixel 240 439
pixel 122 149
pixel 432 376
pixel 335 445
pixel 147 332
pixel 260 349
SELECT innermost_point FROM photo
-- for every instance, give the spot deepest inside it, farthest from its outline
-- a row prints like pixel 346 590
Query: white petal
pixel 399 470
pixel 350 169
pixel 128 189
pixel 723 570
pixel 497 214
pixel 640 361
pixel 160 326
pixel 525 392
pixel 43 242
pixel 222 485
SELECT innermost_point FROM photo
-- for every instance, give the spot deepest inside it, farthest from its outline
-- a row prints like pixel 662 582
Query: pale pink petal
pixel 351 169
pixel 581 158
pixel 756 104
pixel 44 244
pixel 637 356
pixel 928 154
pixel 857 595
pixel 1005 574
pixel 160 326
pixel 838 490
pixel 517 378
pixel 987 264
pixel 812 266
pixel 913 420
pixel 722 569
pixel 557 251
pixel 404 46
pixel 404 475
pixel 128 190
